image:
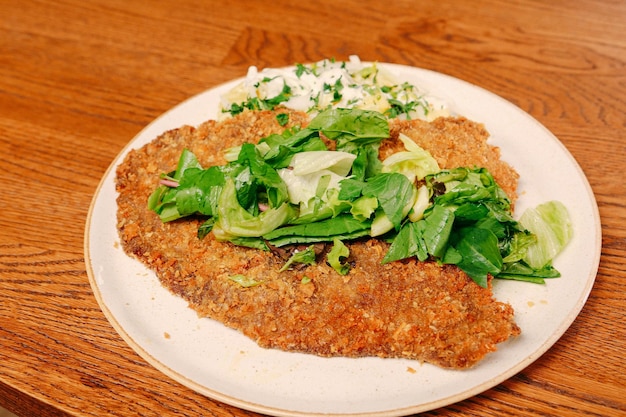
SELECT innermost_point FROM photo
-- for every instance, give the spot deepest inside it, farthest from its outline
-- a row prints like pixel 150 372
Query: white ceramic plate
pixel 225 365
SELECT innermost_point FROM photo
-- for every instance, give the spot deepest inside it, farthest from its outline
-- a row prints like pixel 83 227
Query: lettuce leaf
pixel 234 220
pixel 337 256
pixel 550 223
pixel 414 163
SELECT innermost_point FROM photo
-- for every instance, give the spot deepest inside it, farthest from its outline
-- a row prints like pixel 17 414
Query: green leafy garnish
pixel 282 118
pixel 550 223
pixel 469 225
pixel 351 128
pixel 337 256
pixel 290 189
pixel 256 103
pixel 306 257
pixel 344 227
pixel 244 281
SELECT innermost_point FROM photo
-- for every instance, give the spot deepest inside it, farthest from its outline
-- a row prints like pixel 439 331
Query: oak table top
pixel 78 80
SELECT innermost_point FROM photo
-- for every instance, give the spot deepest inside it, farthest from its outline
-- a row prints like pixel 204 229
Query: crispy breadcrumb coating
pixel 456 142
pixel 405 309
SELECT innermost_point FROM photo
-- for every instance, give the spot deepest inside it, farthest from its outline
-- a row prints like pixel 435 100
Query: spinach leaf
pixel 187 160
pixel 437 228
pixel 351 189
pixel 366 164
pixel 281 148
pixel 480 254
pixel 520 271
pixel 343 226
pixel 393 191
pixel 351 128
pixel 196 192
pixel 264 174
pixel 408 242
pixel 249 242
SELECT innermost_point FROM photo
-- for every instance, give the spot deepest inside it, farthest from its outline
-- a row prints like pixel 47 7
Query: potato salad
pixel 331 84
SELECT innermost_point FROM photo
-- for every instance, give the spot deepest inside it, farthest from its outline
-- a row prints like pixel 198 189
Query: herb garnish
pixel 314 87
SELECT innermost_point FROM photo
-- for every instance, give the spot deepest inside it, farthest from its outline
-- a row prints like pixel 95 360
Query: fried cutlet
pixel 406 309
pixel 456 142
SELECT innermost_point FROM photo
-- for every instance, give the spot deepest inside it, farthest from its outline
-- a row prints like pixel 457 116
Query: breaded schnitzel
pixel 409 309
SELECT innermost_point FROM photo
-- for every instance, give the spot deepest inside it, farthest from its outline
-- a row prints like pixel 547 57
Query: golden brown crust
pixel 403 309
pixel 457 142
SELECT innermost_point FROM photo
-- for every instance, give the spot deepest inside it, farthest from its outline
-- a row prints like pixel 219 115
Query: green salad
pixel 290 189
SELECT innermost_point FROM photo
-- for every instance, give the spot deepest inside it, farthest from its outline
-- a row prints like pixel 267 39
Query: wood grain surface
pixel 79 79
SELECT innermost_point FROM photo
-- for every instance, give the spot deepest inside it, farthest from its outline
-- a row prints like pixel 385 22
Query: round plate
pixel 224 365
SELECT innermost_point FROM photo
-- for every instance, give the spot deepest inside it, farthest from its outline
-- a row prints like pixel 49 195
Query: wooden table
pixel 79 79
